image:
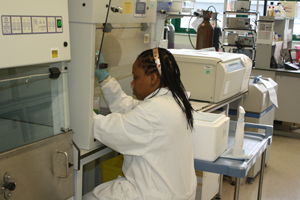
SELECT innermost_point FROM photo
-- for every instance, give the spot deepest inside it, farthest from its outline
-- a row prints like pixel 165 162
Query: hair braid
pixel 170 78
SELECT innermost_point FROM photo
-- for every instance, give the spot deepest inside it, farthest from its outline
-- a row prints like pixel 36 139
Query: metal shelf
pixel 234 46
pixel 239 12
pixel 177 16
pixel 226 14
pixel 237 29
pixel 283 18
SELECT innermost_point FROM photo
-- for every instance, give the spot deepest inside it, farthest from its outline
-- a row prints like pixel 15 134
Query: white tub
pixel 210 135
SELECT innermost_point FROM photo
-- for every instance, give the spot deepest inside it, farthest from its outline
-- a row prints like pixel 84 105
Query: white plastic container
pixel 176 7
pixel 239 134
pixel 210 135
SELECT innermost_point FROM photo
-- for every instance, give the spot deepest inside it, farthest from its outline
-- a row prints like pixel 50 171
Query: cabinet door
pixel 40 170
pixel 288 99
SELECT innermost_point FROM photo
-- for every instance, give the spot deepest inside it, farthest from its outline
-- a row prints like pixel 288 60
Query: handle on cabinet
pixel 67 164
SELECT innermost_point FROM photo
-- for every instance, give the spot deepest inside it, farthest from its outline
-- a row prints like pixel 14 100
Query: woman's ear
pixel 154 79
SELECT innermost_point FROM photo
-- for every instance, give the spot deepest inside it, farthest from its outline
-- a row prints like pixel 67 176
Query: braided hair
pixel 170 77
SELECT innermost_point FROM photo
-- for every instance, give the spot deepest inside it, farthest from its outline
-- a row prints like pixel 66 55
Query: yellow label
pixel 54 53
pixel 127 7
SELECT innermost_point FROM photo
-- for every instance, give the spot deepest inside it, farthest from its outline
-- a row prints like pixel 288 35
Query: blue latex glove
pixel 101 74
pixel 101 58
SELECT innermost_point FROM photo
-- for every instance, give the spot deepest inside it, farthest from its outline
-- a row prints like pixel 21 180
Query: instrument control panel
pixel 12 25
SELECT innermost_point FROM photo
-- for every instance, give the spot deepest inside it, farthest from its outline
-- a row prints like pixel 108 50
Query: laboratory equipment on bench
pixel 213 76
pixel 240 5
pixel 260 104
pixel 36 151
pixel 126 35
pixel 238 22
pixel 265 30
pixel 272 52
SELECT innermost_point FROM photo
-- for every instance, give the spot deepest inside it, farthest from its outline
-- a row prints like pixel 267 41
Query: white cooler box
pixel 210 135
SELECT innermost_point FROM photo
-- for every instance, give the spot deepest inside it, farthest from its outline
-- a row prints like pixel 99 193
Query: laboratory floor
pixel 282 174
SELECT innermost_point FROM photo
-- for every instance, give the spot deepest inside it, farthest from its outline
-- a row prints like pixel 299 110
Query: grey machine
pixel 36 151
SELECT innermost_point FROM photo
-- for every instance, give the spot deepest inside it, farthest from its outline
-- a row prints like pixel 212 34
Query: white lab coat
pixel 157 146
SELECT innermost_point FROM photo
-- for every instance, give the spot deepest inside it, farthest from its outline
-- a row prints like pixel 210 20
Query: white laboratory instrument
pixel 259 105
pixel 265 31
pixel 30 35
pixel 213 76
pixel 131 32
pixel 36 148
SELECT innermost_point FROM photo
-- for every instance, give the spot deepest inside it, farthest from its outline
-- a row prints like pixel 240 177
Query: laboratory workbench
pixel 255 144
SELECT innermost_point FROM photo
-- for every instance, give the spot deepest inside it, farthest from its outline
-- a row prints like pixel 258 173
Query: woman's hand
pixel 101 74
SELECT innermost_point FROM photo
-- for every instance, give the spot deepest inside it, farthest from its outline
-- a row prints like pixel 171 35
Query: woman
pixel 153 132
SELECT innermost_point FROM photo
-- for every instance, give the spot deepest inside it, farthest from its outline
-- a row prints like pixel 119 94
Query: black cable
pixel 108 8
pixel 189 33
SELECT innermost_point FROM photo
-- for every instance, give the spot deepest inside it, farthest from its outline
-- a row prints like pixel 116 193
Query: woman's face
pixel 141 82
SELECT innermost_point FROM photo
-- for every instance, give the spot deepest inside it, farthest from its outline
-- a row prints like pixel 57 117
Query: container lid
pixel 207 57
pixel 204 117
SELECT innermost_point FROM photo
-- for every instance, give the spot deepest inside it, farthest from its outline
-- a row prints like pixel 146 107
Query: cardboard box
pixel 291 8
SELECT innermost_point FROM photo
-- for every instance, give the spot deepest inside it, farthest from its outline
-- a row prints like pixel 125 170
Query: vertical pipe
pixel 237 189
pixel 261 177
pixel 220 186
pixel 224 23
pixel 265 7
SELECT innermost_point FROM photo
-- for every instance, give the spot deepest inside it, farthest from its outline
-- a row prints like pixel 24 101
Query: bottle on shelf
pixel 275 37
pixel 279 38
pixel 278 10
pixel 271 10
pixel 283 13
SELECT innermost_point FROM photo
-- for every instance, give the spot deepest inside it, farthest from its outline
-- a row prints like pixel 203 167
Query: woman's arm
pixel 128 133
pixel 115 97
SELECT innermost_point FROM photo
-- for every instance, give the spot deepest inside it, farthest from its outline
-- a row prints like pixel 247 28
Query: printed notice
pixel 127 7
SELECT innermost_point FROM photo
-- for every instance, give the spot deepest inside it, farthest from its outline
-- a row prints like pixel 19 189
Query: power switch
pixel 58 23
